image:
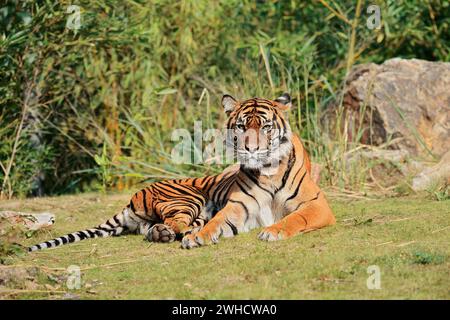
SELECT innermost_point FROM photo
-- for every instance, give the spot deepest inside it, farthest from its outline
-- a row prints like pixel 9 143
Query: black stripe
pixel 291 162
pixel 81 235
pixel 133 217
pixel 166 193
pixel 182 191
pixel 298 187
pixel 71 237
pixel 196 191
pixel 282 122
pixel 220 196
pixel 64 240
pixel 295 176
pixel 244 182
pixel 275 122
pixel 91 233
pixel 185 199
pixel 132 205
pixel 206 181
pixel 144 199
pixel 244 206
pixel 264 107
pixel 253 179
pixel 184 213
pixel 315 198
pixel 246 192
pixel 110 224
pixel 210 185
pixel 232 226
pixel 186 206
pixel 220 185
pixel 224 199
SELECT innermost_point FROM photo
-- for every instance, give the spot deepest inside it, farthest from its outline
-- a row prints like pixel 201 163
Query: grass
pixel 406 237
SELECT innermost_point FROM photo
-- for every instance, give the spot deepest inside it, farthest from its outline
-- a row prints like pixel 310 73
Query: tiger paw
pixel 160 233
pixel 191 230
pixel 272 233
pixel 197 239
pixel 188 241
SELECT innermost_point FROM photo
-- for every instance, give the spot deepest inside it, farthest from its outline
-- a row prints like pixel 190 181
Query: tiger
pixel 270 186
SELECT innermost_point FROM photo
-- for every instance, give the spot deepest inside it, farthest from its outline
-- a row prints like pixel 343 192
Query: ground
pixel 407 238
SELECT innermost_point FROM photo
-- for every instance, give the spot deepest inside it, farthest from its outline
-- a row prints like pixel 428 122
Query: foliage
pixel 10 236
pixel 136 70
pixel 421 257
pixel 439 190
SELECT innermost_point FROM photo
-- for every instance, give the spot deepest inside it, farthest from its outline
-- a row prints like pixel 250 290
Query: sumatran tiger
pixel 270 187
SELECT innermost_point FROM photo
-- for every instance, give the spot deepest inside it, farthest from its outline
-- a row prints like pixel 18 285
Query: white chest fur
pixel 267 214
pixel 265 217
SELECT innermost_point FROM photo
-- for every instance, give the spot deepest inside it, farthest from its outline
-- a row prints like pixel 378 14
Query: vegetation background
pixel 94 108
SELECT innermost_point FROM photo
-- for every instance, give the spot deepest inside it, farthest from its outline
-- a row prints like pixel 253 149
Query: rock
pixel 403 101
pixel 394 156
pixel 32 221
pixel 386 155
pixel 434 174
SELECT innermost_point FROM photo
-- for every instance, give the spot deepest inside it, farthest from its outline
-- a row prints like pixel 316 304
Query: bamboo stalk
pixel 351 49
pixel 337 14
pixel 267 66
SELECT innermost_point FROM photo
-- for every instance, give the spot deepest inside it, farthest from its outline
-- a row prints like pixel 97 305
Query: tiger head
pixel 257 130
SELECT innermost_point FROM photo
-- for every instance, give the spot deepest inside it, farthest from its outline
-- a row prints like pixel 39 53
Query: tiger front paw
pixel 198 239
pixel 272 233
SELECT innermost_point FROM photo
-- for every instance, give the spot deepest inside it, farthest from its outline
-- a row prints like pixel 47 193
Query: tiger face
pixel 257 130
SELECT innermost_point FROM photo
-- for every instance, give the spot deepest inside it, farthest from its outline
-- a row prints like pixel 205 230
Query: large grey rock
pixel 403 101
pixel 440 172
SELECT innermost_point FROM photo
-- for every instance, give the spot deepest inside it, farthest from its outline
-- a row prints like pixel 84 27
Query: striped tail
pixel 113 227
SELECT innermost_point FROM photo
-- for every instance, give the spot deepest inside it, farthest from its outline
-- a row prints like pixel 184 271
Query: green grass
pixel 408 238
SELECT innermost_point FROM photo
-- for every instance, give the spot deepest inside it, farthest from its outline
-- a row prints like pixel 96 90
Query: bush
pixel 135 70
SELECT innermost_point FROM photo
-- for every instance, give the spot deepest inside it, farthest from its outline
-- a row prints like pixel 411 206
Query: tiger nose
pixel 251 148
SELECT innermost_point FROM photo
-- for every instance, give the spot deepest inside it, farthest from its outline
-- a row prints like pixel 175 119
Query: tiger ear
pixel 229 103
pixel 284 101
